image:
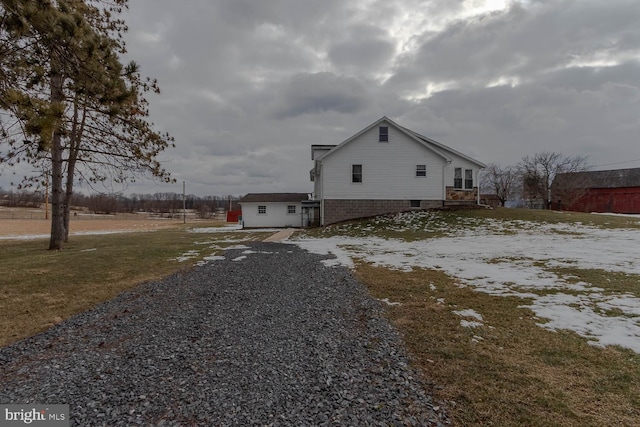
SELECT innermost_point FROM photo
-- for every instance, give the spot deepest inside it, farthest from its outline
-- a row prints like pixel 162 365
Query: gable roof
pixel 430 144
pixel 443 147
pixel 274 197
pixel 616 178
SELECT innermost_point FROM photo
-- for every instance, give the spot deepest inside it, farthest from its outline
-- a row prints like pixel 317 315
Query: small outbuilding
pixel 614 191
pixel 275 210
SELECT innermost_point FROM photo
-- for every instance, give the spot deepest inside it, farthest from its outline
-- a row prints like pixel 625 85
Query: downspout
pixel 321 197
pixel 479 199
pixel 478 185
pixel 444 182
pixel 321 194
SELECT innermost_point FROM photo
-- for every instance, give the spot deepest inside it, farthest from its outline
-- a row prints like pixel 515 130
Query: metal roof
pixel 616 178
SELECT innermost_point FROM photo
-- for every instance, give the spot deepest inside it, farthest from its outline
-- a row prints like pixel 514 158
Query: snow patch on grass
pixel 386 301
pixel 469 313
pixel 512 258
pixel 470 324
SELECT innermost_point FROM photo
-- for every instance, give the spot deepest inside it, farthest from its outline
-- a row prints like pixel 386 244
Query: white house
pixel 274 210
pixel 387 168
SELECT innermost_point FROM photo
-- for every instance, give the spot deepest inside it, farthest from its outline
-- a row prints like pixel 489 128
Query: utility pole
pixel 184 204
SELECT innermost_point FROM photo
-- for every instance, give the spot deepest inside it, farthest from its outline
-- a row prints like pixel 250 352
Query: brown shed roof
pixel 617 178
pixel 274 197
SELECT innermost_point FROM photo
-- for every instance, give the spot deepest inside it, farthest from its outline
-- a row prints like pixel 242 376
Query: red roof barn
pixel 616 191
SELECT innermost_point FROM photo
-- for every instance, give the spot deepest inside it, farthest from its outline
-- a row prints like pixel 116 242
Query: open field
pixel 30 223
pixel 40 228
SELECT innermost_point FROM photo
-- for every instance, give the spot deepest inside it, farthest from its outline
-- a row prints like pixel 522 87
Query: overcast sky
pixel 249 85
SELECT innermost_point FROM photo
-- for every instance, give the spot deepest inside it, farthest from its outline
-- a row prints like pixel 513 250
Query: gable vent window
pixel 356 173
pixel 384 134
pixel 421 170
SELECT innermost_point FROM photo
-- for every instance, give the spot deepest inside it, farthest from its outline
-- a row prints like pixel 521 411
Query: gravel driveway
pixel 267 336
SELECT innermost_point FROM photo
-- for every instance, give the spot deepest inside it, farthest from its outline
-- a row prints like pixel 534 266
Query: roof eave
pixel 423 139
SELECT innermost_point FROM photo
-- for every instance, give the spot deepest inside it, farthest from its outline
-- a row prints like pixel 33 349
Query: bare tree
pixel 102 203
pixel 568 188
pixel 502 181
pixel 539 171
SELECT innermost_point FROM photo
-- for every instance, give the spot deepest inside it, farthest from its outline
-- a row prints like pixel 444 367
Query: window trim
pixel 383 136
pixel 461 181
pixel 355 175
pixel 468 182
pixel 421 171
pixel 458 182
pixel 262 208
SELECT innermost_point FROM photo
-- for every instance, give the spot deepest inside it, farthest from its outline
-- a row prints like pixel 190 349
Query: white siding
pixel 388 169
pixel 276 215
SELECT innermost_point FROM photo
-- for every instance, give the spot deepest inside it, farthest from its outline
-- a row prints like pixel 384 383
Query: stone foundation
pixel 454 195
pixel 341 210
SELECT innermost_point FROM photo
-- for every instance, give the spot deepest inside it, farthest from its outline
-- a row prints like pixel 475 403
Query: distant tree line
pixel 22 199
pixel 531 180
pixel 157 203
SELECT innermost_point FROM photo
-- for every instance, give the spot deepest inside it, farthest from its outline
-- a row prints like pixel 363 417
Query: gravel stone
pixel 276 339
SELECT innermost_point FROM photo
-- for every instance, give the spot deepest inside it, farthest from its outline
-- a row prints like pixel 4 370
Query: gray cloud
pixel 522 42
pixel 365 50
pixel 564 77
pixel 248 86
pixel 317 93
pixel 593 78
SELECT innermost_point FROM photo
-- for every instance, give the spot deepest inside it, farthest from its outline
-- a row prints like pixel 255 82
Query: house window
pixel 468 179
pixel 414 203
pixel 384 134
pixel 262 209
pixel 291 209
pixel 457 178
pixel 356 173
pixel 421 170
